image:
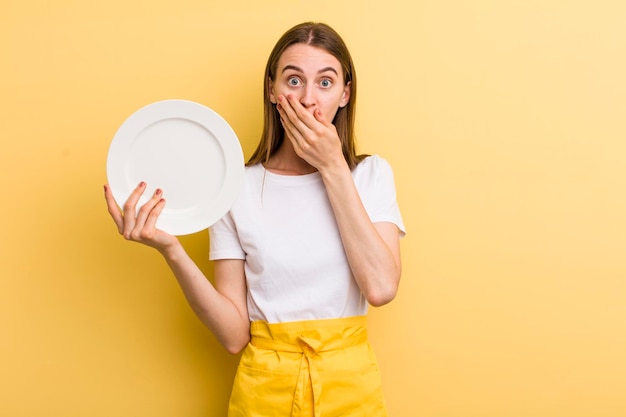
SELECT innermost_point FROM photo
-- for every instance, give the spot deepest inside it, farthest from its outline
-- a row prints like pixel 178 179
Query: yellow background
pixel 505 124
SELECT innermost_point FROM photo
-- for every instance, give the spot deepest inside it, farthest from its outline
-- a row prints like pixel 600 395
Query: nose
pixel 308 96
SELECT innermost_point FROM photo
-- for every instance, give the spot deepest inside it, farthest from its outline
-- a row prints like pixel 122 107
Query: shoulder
pixel 255 169
pixel 253 174
pixel 372 166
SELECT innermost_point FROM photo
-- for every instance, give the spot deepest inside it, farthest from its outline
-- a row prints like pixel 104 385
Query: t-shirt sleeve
pixel 224 241
pixel 376 185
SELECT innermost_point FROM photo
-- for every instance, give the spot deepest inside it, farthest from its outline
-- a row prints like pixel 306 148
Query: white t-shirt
pixel 285 230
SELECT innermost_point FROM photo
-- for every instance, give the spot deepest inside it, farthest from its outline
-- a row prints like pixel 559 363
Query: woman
pixel 312 239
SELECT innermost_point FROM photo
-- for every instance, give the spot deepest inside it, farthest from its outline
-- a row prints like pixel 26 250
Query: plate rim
pixel 204 116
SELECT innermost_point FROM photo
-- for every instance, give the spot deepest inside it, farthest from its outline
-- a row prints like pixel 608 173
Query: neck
pixel 286 162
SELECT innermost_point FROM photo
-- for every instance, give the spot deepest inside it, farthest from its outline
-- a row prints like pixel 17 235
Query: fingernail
pixel 142 184
pixel 158 191
pixel 106 188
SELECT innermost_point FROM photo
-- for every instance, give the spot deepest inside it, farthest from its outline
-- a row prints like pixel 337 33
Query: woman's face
pixel 312 75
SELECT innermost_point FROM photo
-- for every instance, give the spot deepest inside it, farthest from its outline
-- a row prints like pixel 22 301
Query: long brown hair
pixel 322 36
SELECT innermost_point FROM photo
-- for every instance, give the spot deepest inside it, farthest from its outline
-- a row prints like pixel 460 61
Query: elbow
pixel 383 291
pixel 380 300
pixel 236 346
pixel 235 340
pixel 382 286
pixel 234 350
pixel 382 296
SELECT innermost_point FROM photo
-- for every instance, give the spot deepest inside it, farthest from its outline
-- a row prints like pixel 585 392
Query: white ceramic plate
pixel 188 151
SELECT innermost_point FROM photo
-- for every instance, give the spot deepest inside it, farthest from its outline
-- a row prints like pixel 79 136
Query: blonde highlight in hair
pixel 322 36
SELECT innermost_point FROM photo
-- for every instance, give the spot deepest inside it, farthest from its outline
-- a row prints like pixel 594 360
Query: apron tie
pixel 309 348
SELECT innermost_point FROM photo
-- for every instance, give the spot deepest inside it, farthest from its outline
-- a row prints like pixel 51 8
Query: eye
pixel 293 81
pixel 326 83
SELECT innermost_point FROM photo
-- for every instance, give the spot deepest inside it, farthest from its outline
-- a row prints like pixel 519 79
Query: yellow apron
pixel 316 368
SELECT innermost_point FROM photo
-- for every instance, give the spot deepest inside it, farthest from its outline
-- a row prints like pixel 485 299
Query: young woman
pixel 312 239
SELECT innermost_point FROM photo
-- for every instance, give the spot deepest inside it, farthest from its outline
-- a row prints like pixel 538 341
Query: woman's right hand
pixel 140 225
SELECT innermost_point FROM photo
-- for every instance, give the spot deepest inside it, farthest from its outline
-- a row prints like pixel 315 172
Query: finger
pixel 284 120
pixel 319 116
pixel 300 112
pixel 153 216
pixel 293 135
pixel 295 129
pixel 130 209
pixel 296 114
pixel 114 209
pixel 144 213
pixel 310 125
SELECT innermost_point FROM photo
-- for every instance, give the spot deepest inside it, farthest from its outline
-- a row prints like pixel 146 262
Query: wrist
pixel 172 251
pixel 336 170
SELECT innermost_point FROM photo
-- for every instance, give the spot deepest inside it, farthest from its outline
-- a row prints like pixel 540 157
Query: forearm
pixel 374 259
pixel 224 311
pixel 219 313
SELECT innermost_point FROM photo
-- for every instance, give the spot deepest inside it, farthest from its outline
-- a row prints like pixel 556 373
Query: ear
pixel 270 85
pixel 345 98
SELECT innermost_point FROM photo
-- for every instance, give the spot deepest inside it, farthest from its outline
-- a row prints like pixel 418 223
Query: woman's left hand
pixel 314 138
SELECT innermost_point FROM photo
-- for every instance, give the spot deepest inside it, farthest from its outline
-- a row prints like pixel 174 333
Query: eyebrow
pixel 293 67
